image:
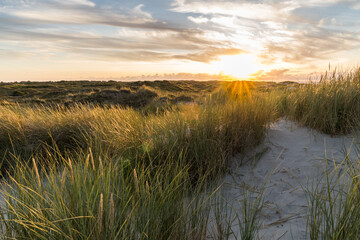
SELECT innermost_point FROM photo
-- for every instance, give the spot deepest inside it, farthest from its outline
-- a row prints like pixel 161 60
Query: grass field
pixel 126 94
pixel 137 160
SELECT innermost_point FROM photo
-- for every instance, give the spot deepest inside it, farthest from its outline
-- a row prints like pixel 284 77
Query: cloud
pixel 319 43
pixel 140 37
pixel 356 6
pixel 198 20
pixel 76 2
pixel 250 10
pixel 15 55
pixel 137 40
pixel 279 31
pixel 284 31
pixel 39 25
pixel 122 55
pixel 209 55
pixel 273 75
pixel 79 12
pixel 276 75
pixel 205 56
pixel 173 76
pixel 136 45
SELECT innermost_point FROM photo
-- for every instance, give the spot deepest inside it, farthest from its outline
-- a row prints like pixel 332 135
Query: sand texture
pixel 290 160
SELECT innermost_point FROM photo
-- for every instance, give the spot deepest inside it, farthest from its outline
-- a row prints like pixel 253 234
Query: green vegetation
pixel 227 126
pixel 152 166
pixel 335 209
pixel 102 199
pixel 331 106
pixel 110 93
pixel 109 160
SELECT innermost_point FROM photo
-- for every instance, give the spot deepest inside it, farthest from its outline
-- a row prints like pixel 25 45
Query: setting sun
pixel 238 66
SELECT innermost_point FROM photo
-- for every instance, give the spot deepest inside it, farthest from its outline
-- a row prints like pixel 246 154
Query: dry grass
pixel 331 105
pixel 147 173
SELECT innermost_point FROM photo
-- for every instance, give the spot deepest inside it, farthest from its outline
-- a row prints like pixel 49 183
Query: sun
pixel 238 66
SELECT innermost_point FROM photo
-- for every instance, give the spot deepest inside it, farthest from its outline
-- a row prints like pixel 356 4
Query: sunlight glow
pixel 239 66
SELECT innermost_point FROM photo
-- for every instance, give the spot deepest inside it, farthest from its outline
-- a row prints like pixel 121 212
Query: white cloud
pixel 77 12
pixel 76 2
pixel 137 11
pixel 356 6
pixel 198 20
pixel 279 33
pixel 257 11
pixel 269 29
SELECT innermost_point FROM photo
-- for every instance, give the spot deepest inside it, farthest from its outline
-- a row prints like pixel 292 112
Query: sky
pixel 267 40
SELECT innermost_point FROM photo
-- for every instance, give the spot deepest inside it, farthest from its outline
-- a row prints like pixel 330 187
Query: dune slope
pixel 290 161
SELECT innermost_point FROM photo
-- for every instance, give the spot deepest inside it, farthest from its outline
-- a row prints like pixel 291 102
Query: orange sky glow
pixel 179 39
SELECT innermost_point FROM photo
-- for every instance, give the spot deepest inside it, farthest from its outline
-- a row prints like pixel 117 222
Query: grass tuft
pixel 331 105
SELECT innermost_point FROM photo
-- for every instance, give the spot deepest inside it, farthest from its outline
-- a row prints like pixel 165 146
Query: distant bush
pixel 122 97
pixel 17 93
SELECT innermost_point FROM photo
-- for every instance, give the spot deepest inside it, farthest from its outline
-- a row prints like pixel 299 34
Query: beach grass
pixel 144 176
pixel 334 203
pixel 90 171
pixel 330 105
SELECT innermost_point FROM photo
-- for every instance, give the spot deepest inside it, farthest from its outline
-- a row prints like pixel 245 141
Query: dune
pixel 290 160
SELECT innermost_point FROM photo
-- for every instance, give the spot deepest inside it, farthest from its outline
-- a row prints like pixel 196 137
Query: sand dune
pixel 290 160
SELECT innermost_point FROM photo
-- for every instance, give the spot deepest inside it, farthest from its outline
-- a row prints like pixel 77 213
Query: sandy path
pixel 292 158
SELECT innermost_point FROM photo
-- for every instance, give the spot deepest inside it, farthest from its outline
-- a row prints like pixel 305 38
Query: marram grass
pixel 112 173
pixel 89 172
pixel 334 205
pixel 207 135
pixel 89 200
pixel 331 105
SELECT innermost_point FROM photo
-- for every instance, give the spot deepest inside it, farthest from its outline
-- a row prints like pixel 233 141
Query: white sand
pixel 293 160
